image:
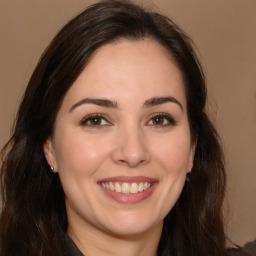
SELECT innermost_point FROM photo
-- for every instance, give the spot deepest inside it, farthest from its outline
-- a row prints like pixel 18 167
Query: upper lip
pixel 129 179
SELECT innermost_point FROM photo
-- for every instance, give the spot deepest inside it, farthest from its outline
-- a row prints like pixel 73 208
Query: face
pixel 122 145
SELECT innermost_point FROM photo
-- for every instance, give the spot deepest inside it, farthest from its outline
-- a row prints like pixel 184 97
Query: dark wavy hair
pixel 33 211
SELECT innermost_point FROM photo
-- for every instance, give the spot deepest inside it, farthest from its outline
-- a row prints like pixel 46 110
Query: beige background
pixel 225 34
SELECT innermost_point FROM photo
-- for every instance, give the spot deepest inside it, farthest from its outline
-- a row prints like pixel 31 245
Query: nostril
pixel 133 161
pixel 131 149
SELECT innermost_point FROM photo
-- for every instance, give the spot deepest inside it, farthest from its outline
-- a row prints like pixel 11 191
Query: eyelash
pixel 84 121
pixel 165 118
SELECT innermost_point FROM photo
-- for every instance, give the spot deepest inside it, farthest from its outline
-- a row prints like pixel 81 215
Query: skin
pixel 128 141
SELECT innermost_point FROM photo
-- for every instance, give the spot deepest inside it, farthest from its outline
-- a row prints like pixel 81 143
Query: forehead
pixel 141 69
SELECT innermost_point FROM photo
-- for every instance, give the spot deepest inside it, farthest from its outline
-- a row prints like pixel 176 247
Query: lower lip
pixel 130 198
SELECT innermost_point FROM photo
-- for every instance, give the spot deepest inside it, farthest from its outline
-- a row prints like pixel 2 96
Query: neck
pixel 92 241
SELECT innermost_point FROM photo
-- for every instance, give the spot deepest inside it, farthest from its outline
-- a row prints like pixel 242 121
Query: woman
pixel 112 151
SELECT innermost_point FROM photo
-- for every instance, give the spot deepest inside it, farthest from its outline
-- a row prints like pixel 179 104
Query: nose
pixel 131 149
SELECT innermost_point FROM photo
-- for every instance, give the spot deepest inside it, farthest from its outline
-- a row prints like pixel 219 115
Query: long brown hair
pixel 33 212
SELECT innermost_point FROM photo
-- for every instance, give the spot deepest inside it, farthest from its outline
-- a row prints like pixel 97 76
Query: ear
pixel 192 153
pixel 50 154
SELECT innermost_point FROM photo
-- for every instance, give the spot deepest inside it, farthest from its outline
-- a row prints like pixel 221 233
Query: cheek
pixel 173 153
pixel 80 155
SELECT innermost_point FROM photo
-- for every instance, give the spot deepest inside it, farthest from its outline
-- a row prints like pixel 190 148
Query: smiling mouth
pixel 128 189
pixel 125 187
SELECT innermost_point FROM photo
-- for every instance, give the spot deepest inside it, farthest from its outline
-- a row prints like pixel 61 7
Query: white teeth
pixel 145 186
pixel 134 188
pixel 118 187
pixel 126 188
pixel 141 187
pixel 112 187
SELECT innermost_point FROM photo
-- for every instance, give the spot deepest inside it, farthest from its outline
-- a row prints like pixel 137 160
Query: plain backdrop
pixel 224 32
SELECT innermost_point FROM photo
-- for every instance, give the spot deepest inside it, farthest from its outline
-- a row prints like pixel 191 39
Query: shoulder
pixel 248 250
pixel 69 247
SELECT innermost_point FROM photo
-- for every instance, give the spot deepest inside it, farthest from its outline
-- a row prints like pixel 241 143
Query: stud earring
pixel 51 168
pixel 188 176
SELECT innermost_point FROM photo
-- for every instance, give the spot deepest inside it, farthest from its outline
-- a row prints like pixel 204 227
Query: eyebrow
pixel 100 102
pixel 161 100
pixel 113 104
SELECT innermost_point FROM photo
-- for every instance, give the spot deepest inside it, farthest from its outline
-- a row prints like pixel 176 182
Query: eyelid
pixel 85 119
pixel 168 117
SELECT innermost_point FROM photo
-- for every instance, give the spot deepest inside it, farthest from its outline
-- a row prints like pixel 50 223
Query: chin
pixel 133 226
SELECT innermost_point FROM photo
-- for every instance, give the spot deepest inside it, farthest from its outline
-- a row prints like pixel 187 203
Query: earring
pixel 51 168
pixel 188 176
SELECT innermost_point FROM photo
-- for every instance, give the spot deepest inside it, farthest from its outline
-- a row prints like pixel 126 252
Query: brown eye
pixel 158 120
pixel 161 120
pixel 94 120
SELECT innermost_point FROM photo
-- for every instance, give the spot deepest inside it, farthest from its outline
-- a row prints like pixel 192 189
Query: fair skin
pixel 122 148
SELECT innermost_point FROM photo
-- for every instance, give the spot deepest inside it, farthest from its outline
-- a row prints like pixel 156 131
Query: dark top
pixel 70 249
pixel 248 250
